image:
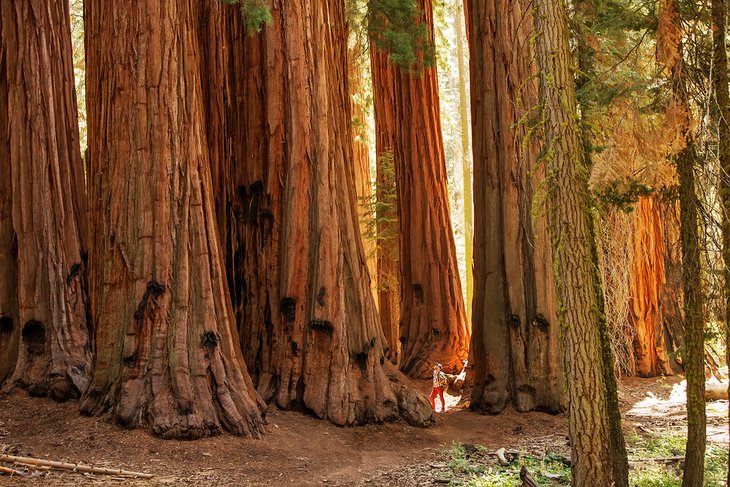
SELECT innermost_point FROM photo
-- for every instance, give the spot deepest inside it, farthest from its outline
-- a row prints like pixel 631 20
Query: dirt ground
pixel 303 451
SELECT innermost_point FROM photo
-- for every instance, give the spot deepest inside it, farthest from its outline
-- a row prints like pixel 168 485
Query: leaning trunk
pixel 167 351
pixel 306 315
pixel 433 324
pixel 44 335
pixel 516 334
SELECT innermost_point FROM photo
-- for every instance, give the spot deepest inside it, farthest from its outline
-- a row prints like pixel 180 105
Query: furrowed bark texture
pixel 671 294
pixel 722 98
pixel 578 283
pixel 694 336
pixel 646 281
pixel 44 334
pixel 515 324
pixel 388 274
pixel 307 319
pixel 167 350
pixel 433 325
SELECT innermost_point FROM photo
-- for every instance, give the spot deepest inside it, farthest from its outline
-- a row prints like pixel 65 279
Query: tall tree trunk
pixel 167 351
pixel 306 315
pixel 361 158
pixel 597 458
pixel 461 54
pixel 516 334
pixel 646 280
pixel 694 339
pixel 44 334
pixel 670 294
pixel 387 227
pixel 722 98
pixel 433 324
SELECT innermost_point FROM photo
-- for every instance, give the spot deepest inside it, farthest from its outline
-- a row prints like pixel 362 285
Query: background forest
pixel 213 209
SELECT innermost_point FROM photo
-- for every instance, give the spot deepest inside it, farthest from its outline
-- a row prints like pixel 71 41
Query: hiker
pixel 439 382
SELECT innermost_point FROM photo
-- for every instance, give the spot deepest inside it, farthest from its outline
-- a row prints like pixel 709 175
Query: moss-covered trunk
pixel 597 458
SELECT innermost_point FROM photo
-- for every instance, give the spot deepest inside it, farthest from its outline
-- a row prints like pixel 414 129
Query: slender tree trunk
pixel 461 53
pixel 44 335
pixel 694 339
pixel 516 334
pixel 671 294
pixel 361 159
pixel 646 280
pixel 722 98
pixel 306 315
pixel 578 282
pixel 387 228
pixel 167 351
pixel 433 324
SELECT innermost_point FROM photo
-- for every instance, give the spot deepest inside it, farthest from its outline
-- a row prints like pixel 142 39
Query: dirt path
pixel 297 450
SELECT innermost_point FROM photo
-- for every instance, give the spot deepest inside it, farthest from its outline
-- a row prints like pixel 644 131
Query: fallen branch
pixel 527 481
pixel 74 467
pixel 12 471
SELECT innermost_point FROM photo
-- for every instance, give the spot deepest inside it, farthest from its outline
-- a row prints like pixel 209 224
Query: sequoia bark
pixel 167 351
pixel 44 332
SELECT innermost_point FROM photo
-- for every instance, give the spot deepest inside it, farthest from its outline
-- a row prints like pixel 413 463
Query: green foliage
pixel 379 216
pixel 398 28
pixel 474 468
pixel 255 14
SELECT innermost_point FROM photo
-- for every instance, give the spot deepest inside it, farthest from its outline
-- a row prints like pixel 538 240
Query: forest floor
pixel 299 450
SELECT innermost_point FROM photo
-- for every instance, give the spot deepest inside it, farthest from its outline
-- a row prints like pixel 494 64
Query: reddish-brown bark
pixel 647 279
pixel 44 336
pixel 297 270
pixel 167 350
pixel 433 324
pixel 516 334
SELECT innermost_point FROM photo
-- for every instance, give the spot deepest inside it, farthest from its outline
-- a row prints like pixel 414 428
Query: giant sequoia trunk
pixel 516 333
pixel 44 337
pixel 388 273
pixel 167 350
pixel 647 278
pixel 433 325
pixel 307 319
pixel 598 452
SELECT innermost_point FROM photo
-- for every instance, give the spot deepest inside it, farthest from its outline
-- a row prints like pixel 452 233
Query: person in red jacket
pixel 439 382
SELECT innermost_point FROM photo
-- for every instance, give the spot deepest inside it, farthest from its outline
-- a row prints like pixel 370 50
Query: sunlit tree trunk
pixel 167 351
pixel 387 228
pixel 44 335
pixel 433 324
pixel 361 150
pixel 722 97
pixel 647 277
pixel 461 53
pixel 516 334
pixel 597 458
pixel 670 50
pixel 307 319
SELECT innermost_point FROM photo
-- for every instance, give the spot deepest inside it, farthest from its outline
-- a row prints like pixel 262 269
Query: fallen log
pixel 73 467
pixel 715 391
